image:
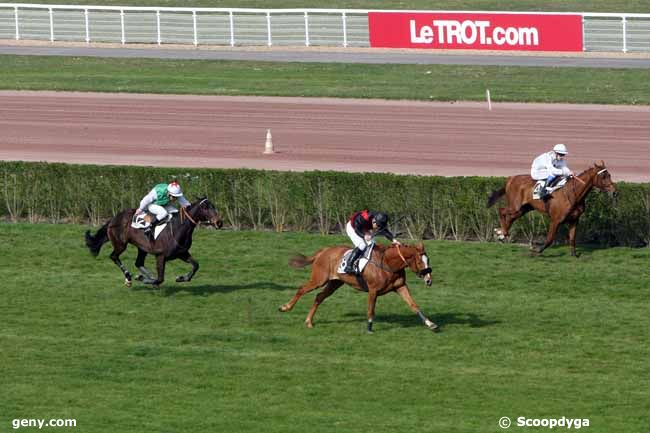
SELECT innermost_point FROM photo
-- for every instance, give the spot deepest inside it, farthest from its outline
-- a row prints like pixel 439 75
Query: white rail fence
pixel 253 27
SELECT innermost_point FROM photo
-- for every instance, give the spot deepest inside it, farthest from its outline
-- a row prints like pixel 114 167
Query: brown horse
pixel 174 241
pixel 563 206
pixel 384 273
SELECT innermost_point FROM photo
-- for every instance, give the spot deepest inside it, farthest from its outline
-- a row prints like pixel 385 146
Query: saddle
pixel 554 186
pixel 360 264
pixel 143 220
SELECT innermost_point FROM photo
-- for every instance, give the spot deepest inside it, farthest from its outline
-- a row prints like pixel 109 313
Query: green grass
pixel 424 82
pixel 632 6
pixel 521 336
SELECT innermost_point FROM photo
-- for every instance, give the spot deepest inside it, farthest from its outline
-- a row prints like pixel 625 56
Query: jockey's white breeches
pixel 161 212
pixel 357 240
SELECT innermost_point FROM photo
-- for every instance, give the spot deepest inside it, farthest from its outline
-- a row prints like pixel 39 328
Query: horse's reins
pixel 185 213
pixel 385 268
pixel 393 271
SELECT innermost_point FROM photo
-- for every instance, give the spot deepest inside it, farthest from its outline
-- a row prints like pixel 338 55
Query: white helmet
pixel 174 189
pixel 561 149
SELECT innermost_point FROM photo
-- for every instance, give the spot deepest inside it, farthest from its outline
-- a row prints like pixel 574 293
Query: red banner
pixel 475 31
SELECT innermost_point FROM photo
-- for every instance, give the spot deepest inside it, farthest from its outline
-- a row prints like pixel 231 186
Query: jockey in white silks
pixel 160 201
pixel 549 165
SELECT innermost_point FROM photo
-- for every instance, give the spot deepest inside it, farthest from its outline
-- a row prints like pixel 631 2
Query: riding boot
pixel 543 192
pixel 354 255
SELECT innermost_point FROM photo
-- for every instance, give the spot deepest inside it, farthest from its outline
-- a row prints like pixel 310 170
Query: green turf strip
pixel 419 82
pixel 538 337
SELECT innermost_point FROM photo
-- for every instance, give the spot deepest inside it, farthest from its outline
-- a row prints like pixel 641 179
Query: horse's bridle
pixel 185 213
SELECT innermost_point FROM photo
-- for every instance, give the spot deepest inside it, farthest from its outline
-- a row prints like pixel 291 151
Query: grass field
pixel 538 337
pixel 424 82
pixel 631 6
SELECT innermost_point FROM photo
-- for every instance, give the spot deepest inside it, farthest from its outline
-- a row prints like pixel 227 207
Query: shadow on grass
pixel 211 289
pixel 441 319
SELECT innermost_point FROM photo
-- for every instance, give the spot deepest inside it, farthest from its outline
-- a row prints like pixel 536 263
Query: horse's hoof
pixel 128 283
pixel 139 277
pixel 283 309
pixel 181 279
pixel 433 327
pixel 309 325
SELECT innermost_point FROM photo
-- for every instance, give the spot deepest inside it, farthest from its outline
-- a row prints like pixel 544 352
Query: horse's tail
pixel 94 243
pixel 496 195
pixel 301 261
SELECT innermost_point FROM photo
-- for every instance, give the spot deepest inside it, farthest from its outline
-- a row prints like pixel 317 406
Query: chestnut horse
pixel 384 273
pixel 174 241
pixel 564 205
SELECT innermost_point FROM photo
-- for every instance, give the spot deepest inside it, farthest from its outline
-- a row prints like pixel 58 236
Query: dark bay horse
pixel 384 273
pixel 563 206
pixel 174 241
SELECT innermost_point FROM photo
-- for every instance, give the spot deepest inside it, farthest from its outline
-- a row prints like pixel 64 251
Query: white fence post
pixel 158 38
pixel 345 30
pixel 306 29
pixel 122 25
pixel 232 30
pixel 268 29
pixel 624 34
pixel 17 27
pixel 584 44
pixel 51 25
pixel 87 26
pixel 196 36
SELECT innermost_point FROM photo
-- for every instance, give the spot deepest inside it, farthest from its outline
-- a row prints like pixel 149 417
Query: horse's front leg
pixel 187 258
pixel 573 228
pixel 161 260
pixel 405 294
pixel 145 274
pixel 372 302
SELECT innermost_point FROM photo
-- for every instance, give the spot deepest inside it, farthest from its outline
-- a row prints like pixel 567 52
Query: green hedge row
pixel 420 206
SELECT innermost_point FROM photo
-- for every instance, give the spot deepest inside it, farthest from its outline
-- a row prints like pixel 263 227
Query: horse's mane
pixel 596 166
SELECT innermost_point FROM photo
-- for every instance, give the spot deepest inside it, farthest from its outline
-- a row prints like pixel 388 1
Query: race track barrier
pixel 277 27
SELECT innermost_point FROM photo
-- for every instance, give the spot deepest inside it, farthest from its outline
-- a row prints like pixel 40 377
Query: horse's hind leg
pixel 115 256
pixel 507 217
pixel 187 258
pixel 305 288
pixel 161 260
pixel 552 231
pixel 145 274
pixel 330 288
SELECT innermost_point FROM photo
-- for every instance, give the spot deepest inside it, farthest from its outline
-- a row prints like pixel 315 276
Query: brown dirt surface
pixel 427 138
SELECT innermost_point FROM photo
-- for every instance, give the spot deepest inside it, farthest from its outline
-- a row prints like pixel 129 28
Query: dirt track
pixel 448 139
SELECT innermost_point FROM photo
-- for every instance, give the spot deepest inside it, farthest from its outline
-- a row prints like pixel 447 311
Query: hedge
pixel 429 207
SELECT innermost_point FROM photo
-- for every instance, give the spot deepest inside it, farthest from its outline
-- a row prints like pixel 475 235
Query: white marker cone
pixel 268 146
pixel 489 100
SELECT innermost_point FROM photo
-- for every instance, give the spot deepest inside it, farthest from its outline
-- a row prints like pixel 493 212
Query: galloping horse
pixel 174 241
pixel 562 206
pixel 384 273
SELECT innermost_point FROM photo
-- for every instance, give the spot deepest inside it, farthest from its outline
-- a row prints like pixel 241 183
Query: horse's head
pixel 603 180
pixel 417 260
pixel 204 211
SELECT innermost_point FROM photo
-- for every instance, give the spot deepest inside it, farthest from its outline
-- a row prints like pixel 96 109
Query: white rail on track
pixel 255 27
